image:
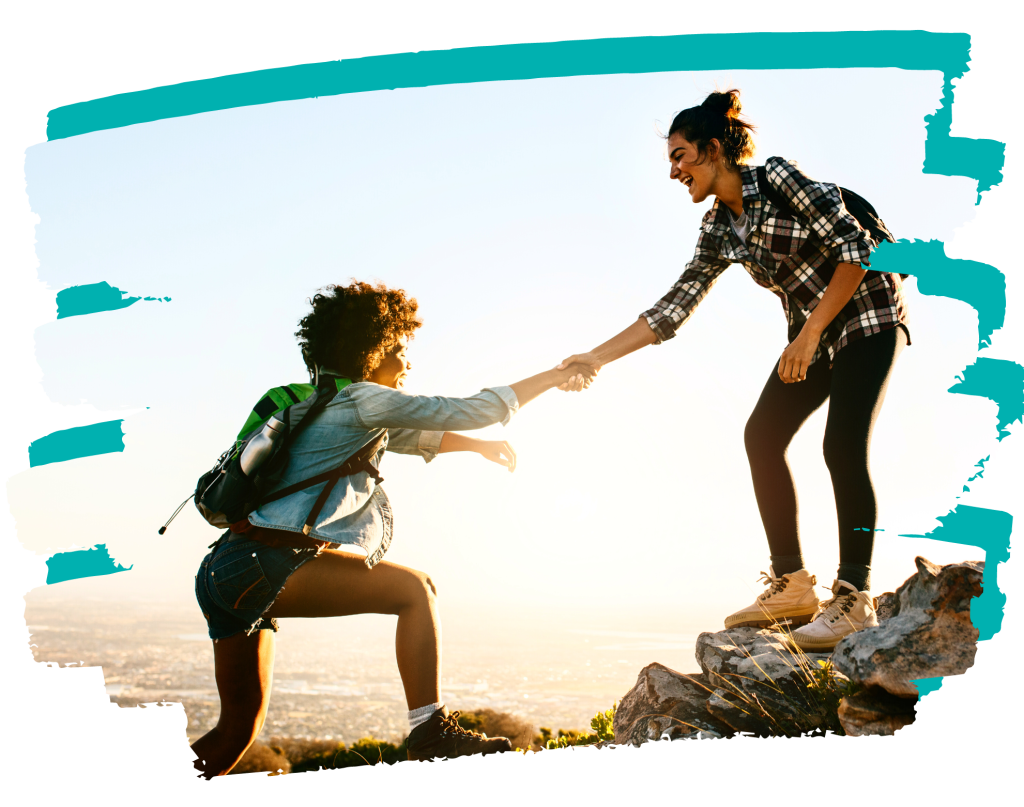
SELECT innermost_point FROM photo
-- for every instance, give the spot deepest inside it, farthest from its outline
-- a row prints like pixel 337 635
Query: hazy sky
pixel 531 220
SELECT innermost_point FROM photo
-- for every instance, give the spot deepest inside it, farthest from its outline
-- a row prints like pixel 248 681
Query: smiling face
pixel 698 173
pixel 394 368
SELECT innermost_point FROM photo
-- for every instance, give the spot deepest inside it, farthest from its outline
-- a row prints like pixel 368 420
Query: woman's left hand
pixel 797 357
pixel 498 451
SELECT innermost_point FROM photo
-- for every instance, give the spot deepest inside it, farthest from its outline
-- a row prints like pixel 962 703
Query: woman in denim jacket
pixel 846 327
pixel 356 336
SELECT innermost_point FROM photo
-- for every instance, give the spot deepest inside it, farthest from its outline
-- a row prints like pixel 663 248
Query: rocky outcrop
pixel 887 606
pixel 750 681
pixel 929 634
pixel 875 712
pixel 754 681
pixel 666 703
pixel 762 682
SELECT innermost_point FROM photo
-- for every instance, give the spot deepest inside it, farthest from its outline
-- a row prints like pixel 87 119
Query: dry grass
pixel 260 757
pixel 812 707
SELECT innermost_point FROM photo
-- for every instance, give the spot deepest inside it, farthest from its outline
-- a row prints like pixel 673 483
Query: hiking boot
pixel 442 736
pixel 848 611
pixel 790 597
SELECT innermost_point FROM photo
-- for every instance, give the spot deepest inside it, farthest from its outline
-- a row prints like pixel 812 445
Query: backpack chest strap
pixel 360 461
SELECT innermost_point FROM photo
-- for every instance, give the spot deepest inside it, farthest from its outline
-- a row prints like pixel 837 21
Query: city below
pixel 337 678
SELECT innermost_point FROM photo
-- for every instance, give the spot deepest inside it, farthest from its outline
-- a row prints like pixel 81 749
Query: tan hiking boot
pixel 442 737
pixel 791 597
pixel 848 611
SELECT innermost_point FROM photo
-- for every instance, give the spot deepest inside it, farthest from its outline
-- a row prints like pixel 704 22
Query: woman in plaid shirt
pixel 847 325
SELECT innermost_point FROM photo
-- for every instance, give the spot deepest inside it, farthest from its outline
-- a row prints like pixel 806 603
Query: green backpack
pixel 226 495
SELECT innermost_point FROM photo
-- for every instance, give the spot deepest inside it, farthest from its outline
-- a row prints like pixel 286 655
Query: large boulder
pixel 927 634
pixel 751 681
pixel 754 681
pixel 666 703
pixel 764 685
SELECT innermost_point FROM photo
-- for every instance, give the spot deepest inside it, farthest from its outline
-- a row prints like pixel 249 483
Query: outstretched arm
pixel 498 451
pixel 529 388
pixel 636 336
pixel 661 321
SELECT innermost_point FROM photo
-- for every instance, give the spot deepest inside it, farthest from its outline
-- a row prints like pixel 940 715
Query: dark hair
pixel 351 328
pixel 718 118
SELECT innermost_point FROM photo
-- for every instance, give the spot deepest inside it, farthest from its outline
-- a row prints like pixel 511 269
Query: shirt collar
pixel 717 218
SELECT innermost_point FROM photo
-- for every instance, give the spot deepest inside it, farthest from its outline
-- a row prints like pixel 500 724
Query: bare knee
pixel 409 588
pixel 429 589
pixel 421 589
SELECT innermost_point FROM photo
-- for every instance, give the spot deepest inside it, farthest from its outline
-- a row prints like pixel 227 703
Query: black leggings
pixel 856 385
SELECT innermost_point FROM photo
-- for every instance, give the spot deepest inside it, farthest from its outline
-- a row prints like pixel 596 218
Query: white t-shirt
pixel 741 225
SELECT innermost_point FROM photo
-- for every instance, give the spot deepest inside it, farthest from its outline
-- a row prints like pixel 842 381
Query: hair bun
pixel 724 103
pixel 717 118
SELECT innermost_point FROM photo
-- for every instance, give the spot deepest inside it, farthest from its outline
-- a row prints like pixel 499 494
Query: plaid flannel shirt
pixel 793 259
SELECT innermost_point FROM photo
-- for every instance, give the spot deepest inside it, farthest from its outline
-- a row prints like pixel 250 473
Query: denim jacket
pixel 357 512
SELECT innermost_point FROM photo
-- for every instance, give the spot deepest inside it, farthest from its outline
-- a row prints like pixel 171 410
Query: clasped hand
pixel 583 369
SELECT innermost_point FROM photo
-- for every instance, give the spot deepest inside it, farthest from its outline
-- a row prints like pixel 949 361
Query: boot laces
pixel 837 607
pixel 450 725
pixel 776 584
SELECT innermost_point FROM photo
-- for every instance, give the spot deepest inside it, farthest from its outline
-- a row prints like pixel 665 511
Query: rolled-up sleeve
pixel 420 442
pixel 382 407
pixel 670 312
pixel 821 204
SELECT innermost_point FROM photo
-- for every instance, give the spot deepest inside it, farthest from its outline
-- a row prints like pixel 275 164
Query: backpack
pixel 226 495
pixel 855 204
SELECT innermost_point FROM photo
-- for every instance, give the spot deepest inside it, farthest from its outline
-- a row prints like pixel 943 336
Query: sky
pixel 531 220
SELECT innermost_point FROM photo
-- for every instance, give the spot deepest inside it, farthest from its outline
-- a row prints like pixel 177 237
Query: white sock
pixel 423 714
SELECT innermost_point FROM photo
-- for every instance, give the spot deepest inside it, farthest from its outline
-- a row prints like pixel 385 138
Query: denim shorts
pixel 239 581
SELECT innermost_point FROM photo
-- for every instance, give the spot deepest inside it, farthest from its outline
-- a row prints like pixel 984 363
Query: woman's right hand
pixel 583 367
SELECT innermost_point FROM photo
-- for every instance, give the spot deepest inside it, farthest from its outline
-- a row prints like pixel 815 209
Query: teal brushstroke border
pixel 926 686
pixel 93 298
pixel 907 49
pixel 80 563
pixel 948 53
pixel 72 444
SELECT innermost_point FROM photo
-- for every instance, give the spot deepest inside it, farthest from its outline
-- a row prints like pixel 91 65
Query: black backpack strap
pixel 862 210
pixel 360 461
pixel 774 196
pixel 856 205
pixel 324 395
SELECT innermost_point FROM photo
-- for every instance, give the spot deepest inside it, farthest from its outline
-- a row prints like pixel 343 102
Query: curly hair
pixel 352 328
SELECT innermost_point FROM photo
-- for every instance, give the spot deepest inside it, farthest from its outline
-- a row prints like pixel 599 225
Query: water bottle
pixel 260 446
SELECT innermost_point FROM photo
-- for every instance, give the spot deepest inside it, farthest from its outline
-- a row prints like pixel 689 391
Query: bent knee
pixel 762 440
pixel 751 438
pixel 428 586
pixel 841 453
pixel 417 587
